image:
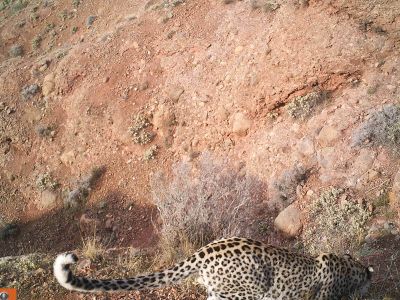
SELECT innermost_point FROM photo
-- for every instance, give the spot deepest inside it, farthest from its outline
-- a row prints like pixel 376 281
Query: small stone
pixel 131 17
pixel 102 204
pixel 47 200
pixel 221 114
pixel 44 65
pixel 84 265
pixel 371 207
pixel 144 85
pixel 88 224
pixel 327 157
pixel 310 193
pixel 364 161
pixel 174 92
pixel 48 87
pixel 372 174
pixel 163 118
pixel 289 221
pixel 327 136
pixel 68 158
pixel 238 49
pixel 109 223
pixel 306 147
pixel 240 124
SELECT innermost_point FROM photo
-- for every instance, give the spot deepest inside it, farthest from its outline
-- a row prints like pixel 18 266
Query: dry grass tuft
pixel 92 247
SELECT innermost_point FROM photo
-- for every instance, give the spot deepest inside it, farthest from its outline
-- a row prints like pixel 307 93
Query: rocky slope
pixel 302 96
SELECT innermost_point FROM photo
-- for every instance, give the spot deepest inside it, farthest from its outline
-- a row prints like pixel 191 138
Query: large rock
pixel 289 221
pixel 240 124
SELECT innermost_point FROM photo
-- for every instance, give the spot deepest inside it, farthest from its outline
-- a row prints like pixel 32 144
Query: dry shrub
pixel 381 128
pixel 204 201
pixel 336 223
pixel 78 195
pixel 284 187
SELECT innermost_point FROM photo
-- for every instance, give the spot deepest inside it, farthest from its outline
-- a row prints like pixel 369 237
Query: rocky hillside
pixel 280 118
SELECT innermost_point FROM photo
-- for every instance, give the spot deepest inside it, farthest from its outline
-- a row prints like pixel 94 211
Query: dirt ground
pixel 210 76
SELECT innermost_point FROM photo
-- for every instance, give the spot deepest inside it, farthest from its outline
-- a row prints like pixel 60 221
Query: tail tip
pixel 61 266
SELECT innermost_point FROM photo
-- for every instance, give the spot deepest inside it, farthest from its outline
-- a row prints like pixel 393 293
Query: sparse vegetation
pixel 92 248
pixel 15 5
pixel 64 15
pixel 76 3
pixel 36 42
pixel 303 106
pixel 79 194
pixel 170 251
pixel 45 131
pixel 136 261
pixel 139 130
pixel 33 17
pixel 90 20
pixel 150 153
pixel 16 50
pixel 382 200
pixel 49 27
pixel 204 201
pixel 28 91
pixel 46 182
pixel 287 183
pixel 16 271
pixel 338 223
pixel 75 29
pixel 381 128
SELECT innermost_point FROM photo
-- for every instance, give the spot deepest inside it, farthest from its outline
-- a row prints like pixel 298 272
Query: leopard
pixel 242 269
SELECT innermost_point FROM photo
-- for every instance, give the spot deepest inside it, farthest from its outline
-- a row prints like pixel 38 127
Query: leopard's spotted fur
pixel 242 269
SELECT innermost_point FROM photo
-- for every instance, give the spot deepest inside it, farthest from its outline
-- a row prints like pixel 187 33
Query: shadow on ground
pixel 114 222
